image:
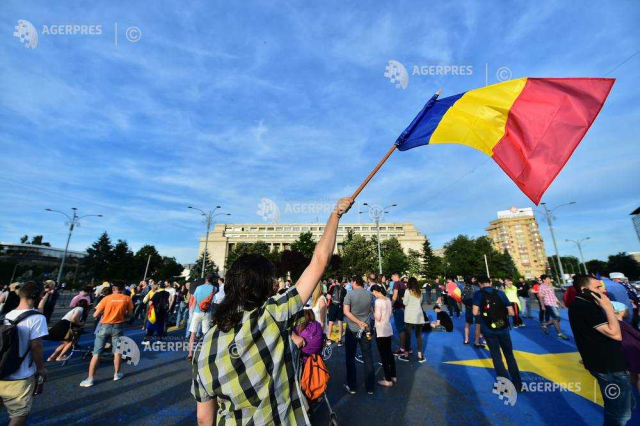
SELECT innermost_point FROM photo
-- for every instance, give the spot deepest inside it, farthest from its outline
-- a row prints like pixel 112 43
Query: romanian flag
pixel 529 126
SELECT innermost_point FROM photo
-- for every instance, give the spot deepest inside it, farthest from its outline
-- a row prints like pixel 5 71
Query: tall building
pixel 224 237
pixel 516 230
pixel 635 217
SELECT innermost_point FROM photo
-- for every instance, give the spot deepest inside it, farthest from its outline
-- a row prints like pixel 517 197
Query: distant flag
pixel 529 126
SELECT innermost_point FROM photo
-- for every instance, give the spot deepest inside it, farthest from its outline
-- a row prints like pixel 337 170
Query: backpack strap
pixel 16 321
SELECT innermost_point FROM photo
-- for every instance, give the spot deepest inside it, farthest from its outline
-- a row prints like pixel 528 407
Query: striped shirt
pixel 250 368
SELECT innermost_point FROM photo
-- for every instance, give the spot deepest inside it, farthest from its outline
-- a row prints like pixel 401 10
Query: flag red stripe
pixel 545 125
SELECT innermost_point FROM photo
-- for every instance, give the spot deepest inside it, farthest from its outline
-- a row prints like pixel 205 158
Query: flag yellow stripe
pixel 479 117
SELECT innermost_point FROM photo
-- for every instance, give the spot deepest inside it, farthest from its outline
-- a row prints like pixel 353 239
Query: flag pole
pixel 378 166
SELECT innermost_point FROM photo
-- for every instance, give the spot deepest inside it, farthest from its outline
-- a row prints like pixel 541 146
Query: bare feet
pixel 385 383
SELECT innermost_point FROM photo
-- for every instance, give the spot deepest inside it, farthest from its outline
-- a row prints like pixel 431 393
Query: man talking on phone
pixel 597 333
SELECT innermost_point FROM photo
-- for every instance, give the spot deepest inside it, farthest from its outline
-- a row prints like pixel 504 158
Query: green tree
pixel 259 247
pixel 304 244
pixel 394 259
pixel 209 268
pixel 502 265
pixel 597 266
pixel 623 262
pixel 358 256
pixel 121 262
pixel 431 264
pixel 414 263
pixel 37 240
pixel 24 239
pixel 97 262
pixel 293 263
pixel 462 257
pixel 334 268
pixel 142 257
pixel 171 269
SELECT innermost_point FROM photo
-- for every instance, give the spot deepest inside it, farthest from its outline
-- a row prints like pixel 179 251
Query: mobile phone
pixel 590 295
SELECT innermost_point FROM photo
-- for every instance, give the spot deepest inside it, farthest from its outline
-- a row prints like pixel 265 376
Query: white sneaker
pixel 86 383
pixel 118 375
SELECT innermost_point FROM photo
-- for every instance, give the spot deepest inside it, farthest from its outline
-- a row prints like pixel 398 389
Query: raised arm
pixel 322 254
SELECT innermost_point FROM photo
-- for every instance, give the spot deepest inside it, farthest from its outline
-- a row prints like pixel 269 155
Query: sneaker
pixel 359 359
pixel 369 392
pixel 562 336
pixel 410 351
pixel 466 342
pixel 479 345
pixel 544 328
pixel 348 389
pixel 403 358
pixel 340 343
pixel 118 376
pixel 379 363
pixel 87 383
pixel 399 352
pixel 329 342
pixel 422 360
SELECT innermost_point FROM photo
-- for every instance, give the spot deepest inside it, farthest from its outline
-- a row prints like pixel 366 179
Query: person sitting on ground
pixel 67 331
pixel 17 388
pixel 251 333
pixel 443 321
pixel 630 342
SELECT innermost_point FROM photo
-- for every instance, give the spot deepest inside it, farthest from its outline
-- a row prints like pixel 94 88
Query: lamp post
pixel 376 213
pixel 208 220
pixel 550 218
pixel 579 244
pixel 73 221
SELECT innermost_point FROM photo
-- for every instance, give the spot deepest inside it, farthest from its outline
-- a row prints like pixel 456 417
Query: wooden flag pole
pixel 380 163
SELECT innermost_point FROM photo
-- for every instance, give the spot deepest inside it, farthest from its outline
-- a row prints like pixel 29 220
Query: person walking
pixel 414 318
pixel 598 338
pixel 201 317
pixel 252 331
pixel 495 309
pixel 112 311
pixel 468 292
pixel 549 304
pixel 384 333
pixel 523 295
pixel 357 311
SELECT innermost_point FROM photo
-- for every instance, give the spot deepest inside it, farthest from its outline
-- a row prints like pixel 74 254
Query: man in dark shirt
pixel 523 296
pixel 443 320
pixel 399 287
pixel 598 336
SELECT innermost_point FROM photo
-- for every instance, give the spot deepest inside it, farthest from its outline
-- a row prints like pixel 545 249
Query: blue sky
pixel 231 102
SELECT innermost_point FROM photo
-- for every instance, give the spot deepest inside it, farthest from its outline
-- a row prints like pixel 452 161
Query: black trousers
pixel 386 357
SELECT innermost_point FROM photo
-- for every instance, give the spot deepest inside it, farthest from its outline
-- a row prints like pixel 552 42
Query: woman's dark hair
pixel 378 288
pixel 414 287
pixel 82 303
pixel 248 284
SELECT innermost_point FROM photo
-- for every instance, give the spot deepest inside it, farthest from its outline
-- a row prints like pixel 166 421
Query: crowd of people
pixel 246 334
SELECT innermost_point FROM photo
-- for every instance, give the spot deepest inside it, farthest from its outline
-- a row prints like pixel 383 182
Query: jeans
pixel 617 394
pixel 387 358
pixel 351 343
pixel 496 343
pixel 452 305
pixel 183 313
pixel 113 331
pixel 418 330
pixel 525 307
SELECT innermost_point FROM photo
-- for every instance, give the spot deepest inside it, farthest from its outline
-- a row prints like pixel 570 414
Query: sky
pixel 152 107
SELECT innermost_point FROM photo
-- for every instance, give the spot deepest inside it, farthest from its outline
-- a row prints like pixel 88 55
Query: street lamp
pixel 550 218
pixel 73 221
pixel 579 244
pixel 208 220
pixel 376 213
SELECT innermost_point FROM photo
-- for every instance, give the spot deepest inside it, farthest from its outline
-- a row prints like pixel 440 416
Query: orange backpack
pixel 315 377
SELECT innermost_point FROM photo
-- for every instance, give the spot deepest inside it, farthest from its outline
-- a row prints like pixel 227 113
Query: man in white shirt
pixel 219 297
pixel 16 389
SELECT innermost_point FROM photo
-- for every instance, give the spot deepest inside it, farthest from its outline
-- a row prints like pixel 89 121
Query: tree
pixel 121 262
pixel 358 256
pixel 209 268
pixel 503 266
pixel 335 266
pixel 414 263
pixel 24 239
pixel 462 257
pixel 37 240
pixel 293 263
pixel 623 262
pixel 141 259
pixel 394 258
pixel 431 264
pixel 304 244
pixel 597 267
pixel 259 247
pixel 97 263
pixel 171 269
